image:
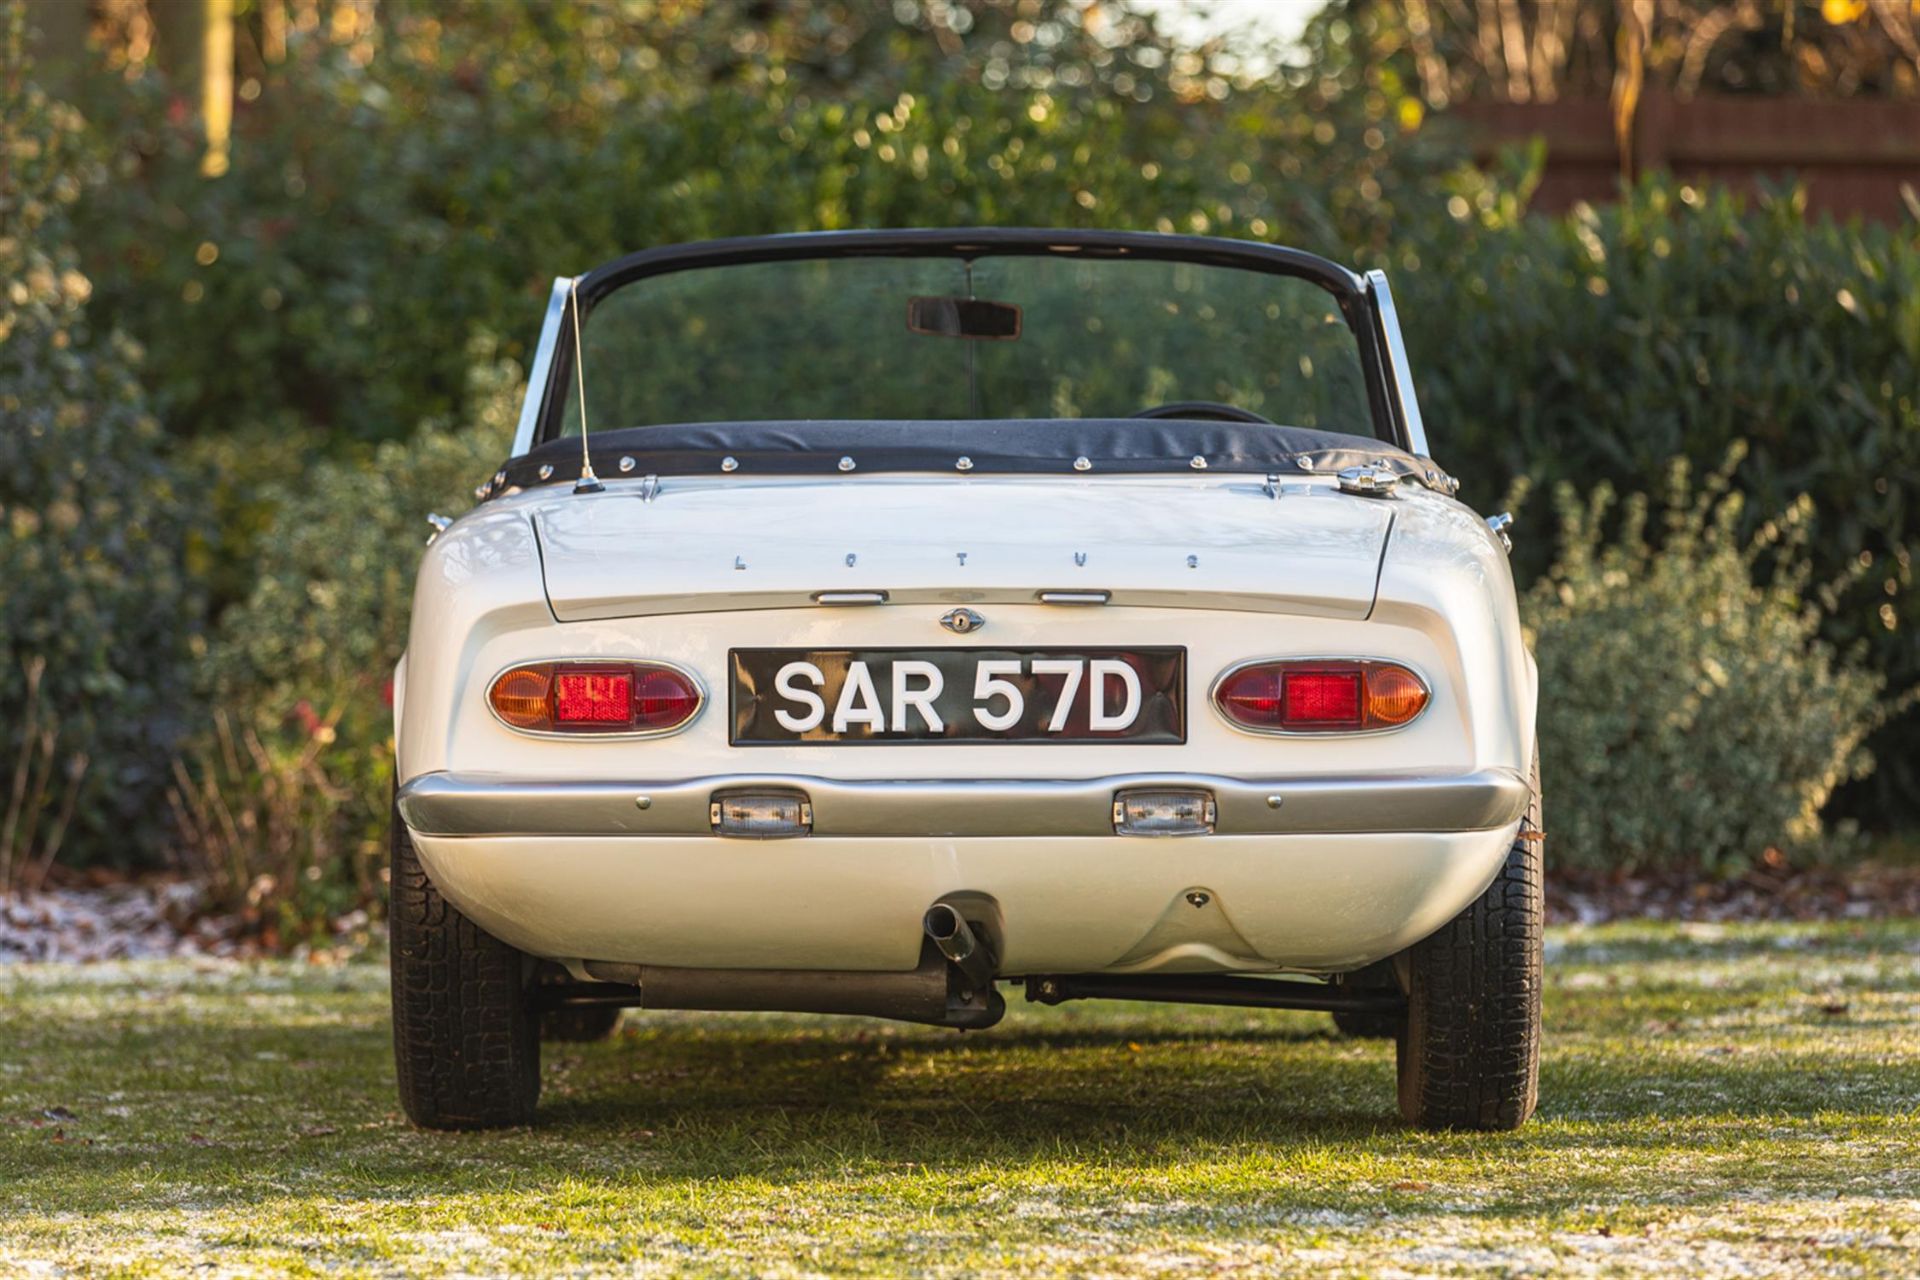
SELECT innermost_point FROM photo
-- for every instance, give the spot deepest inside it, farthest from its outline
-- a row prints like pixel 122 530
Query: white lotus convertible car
pixel 875 622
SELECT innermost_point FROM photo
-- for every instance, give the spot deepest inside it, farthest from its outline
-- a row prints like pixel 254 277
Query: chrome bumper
pixel 447 804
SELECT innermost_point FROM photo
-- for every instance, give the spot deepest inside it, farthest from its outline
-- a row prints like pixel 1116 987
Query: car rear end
pixel 1026 666
pixel 1110 651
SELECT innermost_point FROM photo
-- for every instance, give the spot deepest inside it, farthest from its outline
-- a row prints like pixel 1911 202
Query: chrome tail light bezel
pixel 1310 660
pixel 589 732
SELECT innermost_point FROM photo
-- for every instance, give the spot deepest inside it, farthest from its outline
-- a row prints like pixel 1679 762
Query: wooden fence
pixel 1855 155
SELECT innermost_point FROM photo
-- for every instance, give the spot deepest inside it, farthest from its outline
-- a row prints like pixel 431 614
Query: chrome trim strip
pixel 537 372
pixel 844 599
pixel 1075 597
pixel 449 804
pixel 1409 402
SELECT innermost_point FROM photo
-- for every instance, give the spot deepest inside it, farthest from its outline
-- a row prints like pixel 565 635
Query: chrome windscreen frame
pixel 1347 287
pixel 542 361
pixel 1395 404
pixel 1406 402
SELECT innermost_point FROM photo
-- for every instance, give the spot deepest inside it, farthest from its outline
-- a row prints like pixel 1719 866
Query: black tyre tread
pixel 578 1026
pixel 1470 1055
pixel 465 1034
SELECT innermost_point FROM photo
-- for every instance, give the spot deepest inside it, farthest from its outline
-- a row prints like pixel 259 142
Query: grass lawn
pixel 1736 1100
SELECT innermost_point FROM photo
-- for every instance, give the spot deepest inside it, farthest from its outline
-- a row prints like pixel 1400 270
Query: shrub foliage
pixel 1672 324
pixel 433 178
pixel 300 747
pixel 95 612
pixel 1690 714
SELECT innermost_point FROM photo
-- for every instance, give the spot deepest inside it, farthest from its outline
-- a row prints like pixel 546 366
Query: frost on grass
pixel 120 922
pixel 1730 1101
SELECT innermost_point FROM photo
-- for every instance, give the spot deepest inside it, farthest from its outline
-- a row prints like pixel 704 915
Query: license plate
pixel 957 695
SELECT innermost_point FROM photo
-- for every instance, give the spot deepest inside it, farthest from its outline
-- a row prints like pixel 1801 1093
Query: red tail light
pixel 1312 698
pixel 1320 695
pixel 594 697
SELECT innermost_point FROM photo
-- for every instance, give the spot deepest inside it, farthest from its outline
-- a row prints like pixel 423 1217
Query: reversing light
pixel 1321 695
pixel 1164 811
pixel 760 815
pixel 594 697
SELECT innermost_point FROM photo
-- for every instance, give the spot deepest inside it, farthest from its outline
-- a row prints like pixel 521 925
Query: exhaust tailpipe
pixel 950 932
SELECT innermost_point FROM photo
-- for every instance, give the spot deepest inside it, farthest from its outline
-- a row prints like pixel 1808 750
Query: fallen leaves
pixel 1777 892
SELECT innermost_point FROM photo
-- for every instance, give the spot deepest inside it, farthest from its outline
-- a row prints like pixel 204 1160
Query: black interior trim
pixel 999 446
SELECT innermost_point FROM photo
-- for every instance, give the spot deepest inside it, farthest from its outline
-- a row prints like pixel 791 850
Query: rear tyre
pixel 466 1037
pixel 1470 1055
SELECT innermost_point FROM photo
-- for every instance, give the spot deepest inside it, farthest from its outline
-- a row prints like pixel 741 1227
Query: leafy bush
pixel 388 200
pixel 300 748
pixel 1690 715
pixel 260 827
pixel 1673 323
pixel 95 615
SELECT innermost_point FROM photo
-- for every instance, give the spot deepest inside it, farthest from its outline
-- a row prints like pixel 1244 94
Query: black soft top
pixel 1001 446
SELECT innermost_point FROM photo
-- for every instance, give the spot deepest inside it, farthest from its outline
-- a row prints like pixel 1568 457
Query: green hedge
pixel 93 594
pixel 376 216
pixel 305 661
pixel 1598 346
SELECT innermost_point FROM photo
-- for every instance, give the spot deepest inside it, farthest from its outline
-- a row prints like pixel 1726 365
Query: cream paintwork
pixel 1065 905
pixel 1271 578
pixel 907 535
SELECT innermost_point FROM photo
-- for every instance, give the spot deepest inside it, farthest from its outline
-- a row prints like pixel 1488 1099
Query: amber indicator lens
pixel 1321 696
pixel 1394 695
pixel 521 697
pixel 594 697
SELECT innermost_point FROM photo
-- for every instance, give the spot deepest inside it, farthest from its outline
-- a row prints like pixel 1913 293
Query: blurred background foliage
pixel 96 610
pixel 333 236
pixel 1540 52
pixel 1684 678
